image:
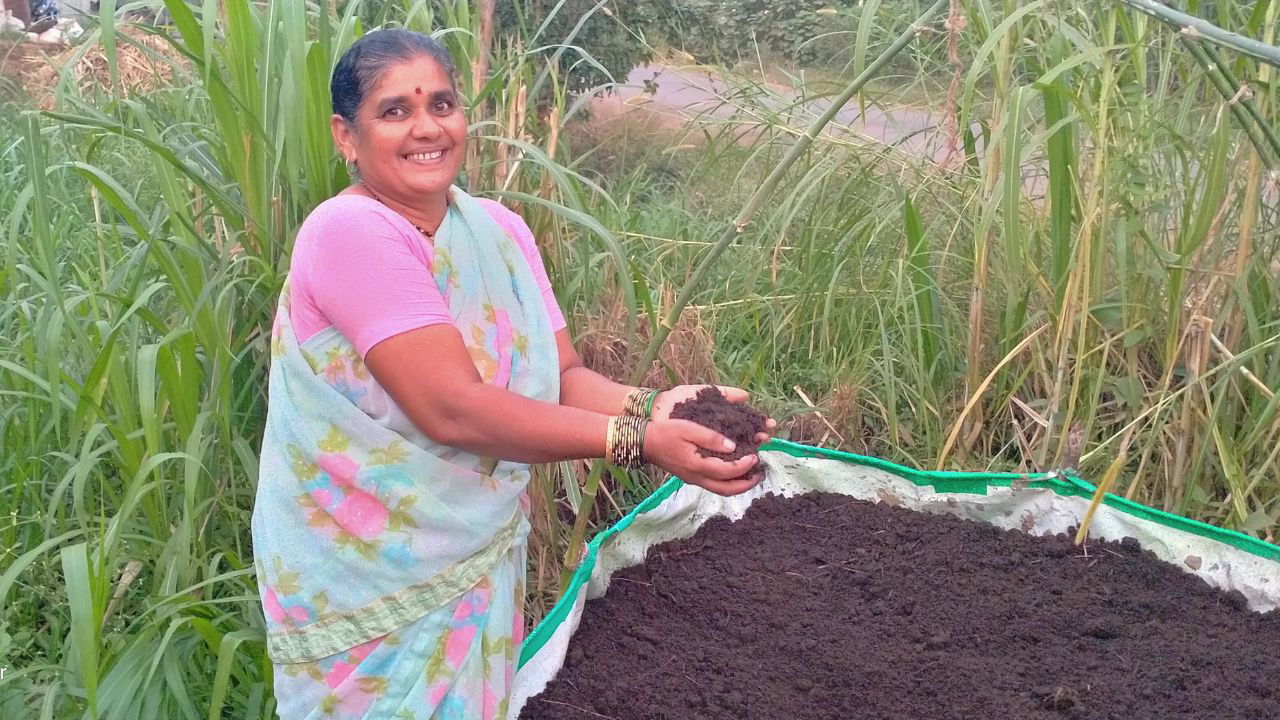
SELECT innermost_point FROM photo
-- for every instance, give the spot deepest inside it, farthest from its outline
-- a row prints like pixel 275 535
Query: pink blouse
pixel 362 268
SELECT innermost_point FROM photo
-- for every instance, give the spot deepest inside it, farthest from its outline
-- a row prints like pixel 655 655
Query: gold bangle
pixel 626 448
pixel 641 427
pixel 624 444
pixel 637 442
pixel 629 401
pixel 620 443
pixel 609 439
pixel 611 444
pixel 638 402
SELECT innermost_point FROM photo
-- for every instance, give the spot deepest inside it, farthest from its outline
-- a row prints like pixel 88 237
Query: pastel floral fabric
pixel 391 568
pixel 454 664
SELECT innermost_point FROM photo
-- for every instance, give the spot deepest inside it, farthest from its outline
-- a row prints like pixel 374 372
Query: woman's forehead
pixel 420 72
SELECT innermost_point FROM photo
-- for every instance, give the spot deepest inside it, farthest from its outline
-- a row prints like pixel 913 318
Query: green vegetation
pixel 1122 303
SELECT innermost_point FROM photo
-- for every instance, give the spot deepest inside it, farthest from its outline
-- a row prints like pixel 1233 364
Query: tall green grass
pixel 1129 299
pixel 1135 281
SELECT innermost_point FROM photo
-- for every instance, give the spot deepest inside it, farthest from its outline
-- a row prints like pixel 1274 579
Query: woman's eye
pixel 395 112
pixel 442 106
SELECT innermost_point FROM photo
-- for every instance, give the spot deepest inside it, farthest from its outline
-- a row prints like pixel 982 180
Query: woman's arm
pixel 584 388
pixel 587 389
pixel 446 399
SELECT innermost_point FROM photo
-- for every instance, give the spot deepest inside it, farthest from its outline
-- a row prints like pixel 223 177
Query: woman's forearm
pixel 453 406
pixel 589 390
pixel 493 422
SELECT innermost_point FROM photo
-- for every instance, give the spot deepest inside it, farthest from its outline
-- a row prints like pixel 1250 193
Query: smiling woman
pixel 411 141
pixel 420 362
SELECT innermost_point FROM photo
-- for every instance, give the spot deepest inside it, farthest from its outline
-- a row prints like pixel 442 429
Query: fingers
pixel 769 426
pixel 731 487
pixel 704 437
pixel 716 469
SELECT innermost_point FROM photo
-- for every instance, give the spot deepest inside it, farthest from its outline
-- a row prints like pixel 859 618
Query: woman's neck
pixel 426 212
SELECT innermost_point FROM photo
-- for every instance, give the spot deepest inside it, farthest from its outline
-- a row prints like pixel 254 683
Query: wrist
pixel 639 403
pixel 648 442
pixel 625 441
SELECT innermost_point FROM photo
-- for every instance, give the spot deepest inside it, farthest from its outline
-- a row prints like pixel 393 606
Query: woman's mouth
pixel 428 156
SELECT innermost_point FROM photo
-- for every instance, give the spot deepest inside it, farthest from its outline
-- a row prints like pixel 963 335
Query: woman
pixel 419 364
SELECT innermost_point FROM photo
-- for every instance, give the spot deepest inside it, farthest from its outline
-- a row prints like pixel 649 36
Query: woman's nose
pixel 426 127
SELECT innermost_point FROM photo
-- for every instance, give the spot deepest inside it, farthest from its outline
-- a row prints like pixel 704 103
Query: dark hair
pixel 359 67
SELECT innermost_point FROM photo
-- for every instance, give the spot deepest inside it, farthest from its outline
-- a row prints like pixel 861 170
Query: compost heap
pixel 821 606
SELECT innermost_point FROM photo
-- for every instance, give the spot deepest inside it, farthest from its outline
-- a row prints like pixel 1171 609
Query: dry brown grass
pixel 144 61
pixel 20 58
pixel 688 357
pixel 837 421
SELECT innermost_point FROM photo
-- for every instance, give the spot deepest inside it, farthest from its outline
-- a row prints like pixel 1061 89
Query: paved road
pixel 683 95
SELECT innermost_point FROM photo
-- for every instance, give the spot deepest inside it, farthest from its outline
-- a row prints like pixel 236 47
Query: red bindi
pixel 417 91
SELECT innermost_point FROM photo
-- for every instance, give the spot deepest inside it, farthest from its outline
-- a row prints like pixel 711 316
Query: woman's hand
pixel 673 446
pixel 668 399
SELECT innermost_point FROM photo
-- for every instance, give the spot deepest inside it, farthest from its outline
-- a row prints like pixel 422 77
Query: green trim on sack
pixel 545 629
pixel 974 483
pixel 1066 483
pixel 1238 540
pixel 1063 483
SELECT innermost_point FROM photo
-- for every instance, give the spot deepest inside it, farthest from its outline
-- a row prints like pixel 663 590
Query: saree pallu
pixel 391 568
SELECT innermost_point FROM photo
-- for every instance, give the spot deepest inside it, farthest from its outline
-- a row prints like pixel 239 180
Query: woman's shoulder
pixel 347 209
pixel 348 223
pixel 500 212
pixel 507 219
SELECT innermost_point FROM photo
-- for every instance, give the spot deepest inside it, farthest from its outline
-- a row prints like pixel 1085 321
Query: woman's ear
pixel 343 137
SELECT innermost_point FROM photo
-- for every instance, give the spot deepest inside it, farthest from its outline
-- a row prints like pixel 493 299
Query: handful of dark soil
pixel 739 423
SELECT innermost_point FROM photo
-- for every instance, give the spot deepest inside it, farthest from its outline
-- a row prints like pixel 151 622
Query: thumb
pixel 733 394
pixel 705 437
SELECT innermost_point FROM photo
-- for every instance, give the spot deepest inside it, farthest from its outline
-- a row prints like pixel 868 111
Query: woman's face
pixel 410 133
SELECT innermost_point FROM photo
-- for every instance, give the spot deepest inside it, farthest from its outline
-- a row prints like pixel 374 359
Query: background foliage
pixel 1090 275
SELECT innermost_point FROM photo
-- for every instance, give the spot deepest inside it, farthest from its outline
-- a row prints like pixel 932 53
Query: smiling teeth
pixel 434 155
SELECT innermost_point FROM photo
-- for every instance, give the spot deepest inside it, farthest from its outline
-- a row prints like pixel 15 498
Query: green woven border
pixel 944 482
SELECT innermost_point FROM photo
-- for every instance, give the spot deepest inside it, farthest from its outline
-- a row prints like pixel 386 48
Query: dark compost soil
pixel 820 606
pixel 740 423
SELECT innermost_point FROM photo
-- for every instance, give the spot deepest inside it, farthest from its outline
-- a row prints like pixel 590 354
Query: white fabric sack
pixel 1034 510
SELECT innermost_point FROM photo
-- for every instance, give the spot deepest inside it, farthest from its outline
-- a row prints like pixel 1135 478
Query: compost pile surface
pixel 820 606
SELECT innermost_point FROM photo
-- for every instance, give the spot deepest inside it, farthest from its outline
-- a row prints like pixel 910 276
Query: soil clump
pixel 738 422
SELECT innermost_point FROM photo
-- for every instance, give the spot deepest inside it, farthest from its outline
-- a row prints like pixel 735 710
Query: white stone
pixel 70 28
pixel 13 24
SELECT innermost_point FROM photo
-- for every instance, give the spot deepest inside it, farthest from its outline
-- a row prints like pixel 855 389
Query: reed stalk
pixel 1194 27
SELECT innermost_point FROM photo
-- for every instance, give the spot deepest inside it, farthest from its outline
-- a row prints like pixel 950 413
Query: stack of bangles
pixel 624 443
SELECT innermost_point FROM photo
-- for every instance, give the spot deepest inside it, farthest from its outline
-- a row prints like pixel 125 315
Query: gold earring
pixel 353 168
